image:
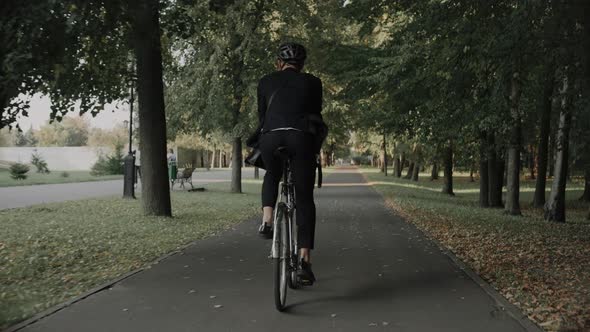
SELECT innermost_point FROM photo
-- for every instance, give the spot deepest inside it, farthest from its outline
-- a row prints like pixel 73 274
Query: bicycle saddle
pixel 282 152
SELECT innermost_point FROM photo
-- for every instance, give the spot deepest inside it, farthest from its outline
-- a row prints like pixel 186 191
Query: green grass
pixel 426 194
pixel 50 253
pixel 541 267
pixel 51 178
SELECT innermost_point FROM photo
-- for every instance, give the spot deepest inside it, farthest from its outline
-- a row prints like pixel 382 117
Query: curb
pixel 500 301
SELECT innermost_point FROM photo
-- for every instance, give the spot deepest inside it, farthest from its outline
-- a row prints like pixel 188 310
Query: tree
pixel 5 137
pixel 80 52
pixel 71 131
pixel 544 131
pixel 448 169
pixel 152 119
pixel 216 84
pixel 98 137
pixel 30 137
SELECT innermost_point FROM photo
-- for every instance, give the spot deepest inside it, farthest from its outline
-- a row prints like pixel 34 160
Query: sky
pixel 40 110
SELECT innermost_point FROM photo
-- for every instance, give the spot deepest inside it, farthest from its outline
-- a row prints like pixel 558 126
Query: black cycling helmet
pixel 292 53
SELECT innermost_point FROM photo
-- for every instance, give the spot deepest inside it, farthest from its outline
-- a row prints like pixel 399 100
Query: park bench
pixel 183 176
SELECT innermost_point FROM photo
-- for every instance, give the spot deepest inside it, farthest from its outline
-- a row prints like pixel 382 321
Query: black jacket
pixel 299 95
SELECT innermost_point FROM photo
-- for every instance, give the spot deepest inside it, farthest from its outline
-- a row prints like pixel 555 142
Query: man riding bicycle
pixel 287 99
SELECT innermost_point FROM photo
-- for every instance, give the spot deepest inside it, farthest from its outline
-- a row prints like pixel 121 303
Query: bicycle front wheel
pixel 281 263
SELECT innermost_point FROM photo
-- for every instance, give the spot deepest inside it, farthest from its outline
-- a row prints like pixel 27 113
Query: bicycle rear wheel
pixel 281 263
pixel 294 261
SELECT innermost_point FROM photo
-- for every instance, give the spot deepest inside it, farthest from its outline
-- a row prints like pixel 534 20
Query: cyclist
pixel 286 99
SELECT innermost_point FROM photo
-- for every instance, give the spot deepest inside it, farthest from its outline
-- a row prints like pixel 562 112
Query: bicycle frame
pixel 287 197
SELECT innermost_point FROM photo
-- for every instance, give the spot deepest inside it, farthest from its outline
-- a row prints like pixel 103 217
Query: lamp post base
pixel 129 176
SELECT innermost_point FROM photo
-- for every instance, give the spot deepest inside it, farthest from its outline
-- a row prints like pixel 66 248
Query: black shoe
pixel 265 230
pixel 306 277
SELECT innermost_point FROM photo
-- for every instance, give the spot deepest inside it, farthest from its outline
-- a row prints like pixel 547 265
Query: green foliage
pixel 18 171
pixel 39 162
pixel 74 51
pixel 212 84
pixel 71 131
pixel 65 174
pixel 109 165
pixel 118 135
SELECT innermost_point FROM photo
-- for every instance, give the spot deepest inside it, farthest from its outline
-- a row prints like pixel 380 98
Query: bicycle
pixel 284 250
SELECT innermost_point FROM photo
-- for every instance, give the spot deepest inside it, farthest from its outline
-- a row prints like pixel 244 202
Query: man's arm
pixel 319 95
pixel 261 103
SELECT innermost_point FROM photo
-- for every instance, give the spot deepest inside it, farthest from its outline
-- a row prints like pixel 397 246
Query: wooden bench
pixel 184 176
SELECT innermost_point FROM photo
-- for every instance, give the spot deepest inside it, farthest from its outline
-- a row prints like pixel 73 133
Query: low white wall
pixel 57 158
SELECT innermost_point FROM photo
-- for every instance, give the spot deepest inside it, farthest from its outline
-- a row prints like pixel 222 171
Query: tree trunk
pixel 483 173
pixel 471 171
pixel 434 173
pixel 512 205
pixel 207 159
pixel 586 195
pixel 401 165
pixel 503 168
pixel 236 166
pixel 448 170
pixel 410 171
pixel 501 175
pixel 416 172
pixel 494 176
pixel 532 163
pixel 551 155
pixel 155 191
pixel 555 206
pixel 396 165
pixel 384 152
pixel 543 147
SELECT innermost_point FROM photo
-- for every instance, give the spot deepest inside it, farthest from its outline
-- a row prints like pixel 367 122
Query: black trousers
pixel 303 163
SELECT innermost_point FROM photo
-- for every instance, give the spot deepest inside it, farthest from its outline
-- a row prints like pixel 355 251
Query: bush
pixel 109 165
pixel 19 171
pixel 65 174
pixel 39 162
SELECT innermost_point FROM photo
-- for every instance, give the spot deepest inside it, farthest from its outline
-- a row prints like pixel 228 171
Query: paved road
pixel 12 197
pixel 374 273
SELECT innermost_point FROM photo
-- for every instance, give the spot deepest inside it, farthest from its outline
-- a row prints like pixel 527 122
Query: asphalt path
pixel 21 196
pixel 374 272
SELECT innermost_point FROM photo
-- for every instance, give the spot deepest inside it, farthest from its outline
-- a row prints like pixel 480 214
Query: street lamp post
pixel 129 160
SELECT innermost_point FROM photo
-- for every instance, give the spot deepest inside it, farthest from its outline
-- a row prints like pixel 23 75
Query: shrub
pixel 109 165
pixel 19 171
pixel 65 174
pixel 39 162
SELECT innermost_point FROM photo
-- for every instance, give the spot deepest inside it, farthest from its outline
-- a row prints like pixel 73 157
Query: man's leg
pixel 304 177
pixel 274 169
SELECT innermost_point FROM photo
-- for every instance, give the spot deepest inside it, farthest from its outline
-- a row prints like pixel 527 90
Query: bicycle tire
pixel 294 262
pixel 280 263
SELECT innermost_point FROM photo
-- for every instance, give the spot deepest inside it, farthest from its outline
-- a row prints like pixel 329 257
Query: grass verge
pixel 51 178
pixel 53 252
pixel 541 267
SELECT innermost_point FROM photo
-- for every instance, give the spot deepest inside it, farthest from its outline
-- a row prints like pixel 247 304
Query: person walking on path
pixel 286 100
pixel 172 166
